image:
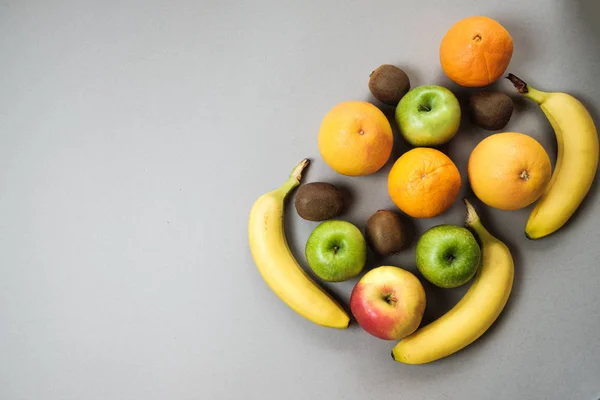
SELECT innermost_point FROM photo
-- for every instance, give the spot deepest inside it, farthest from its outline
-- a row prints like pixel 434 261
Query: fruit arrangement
pixel 506 171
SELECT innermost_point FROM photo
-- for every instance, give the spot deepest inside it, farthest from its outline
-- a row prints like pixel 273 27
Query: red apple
pixel 388 302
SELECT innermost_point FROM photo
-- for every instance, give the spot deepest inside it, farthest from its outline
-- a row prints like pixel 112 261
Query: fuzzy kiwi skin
pixel 490 110
pixel 385 232
pixel 319 201
pixel 389 84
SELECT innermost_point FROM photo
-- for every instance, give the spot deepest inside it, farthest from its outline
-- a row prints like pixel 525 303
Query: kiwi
pixel 389 84
pixel 490 110
pixel 385 232
pixel 318 201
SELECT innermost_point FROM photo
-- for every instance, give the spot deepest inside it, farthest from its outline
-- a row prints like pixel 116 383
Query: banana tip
pixel 393 357
pixel 518 83
pixel 297 172
pixel 471 216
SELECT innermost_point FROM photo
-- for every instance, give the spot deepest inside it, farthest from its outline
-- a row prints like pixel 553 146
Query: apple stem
pixel 390 299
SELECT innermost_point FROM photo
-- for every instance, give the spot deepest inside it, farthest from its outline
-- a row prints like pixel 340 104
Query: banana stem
pixel 297 171
pixel 472 216
pixel 295 177
pixel 527 91
pixel 472 221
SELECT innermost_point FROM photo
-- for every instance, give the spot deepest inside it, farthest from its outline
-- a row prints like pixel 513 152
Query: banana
pixel 576 162
pixel 277 264
pixel 474 313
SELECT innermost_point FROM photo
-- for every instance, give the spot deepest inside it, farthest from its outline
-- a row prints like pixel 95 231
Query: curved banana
pixel 474 313
pixel 277 264
pixel 576 162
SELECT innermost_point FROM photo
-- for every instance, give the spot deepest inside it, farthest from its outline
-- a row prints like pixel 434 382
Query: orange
pixel 476 51
pixel 355 138
pixel 509 170
pixel 424 182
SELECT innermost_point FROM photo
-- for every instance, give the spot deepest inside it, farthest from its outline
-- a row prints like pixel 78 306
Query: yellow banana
pixel 474 313
pixel 277 264
pixel 576 162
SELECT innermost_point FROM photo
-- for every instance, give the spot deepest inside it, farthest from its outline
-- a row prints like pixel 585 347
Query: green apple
pixel 448 255
pixel 336 251
pixel 428 115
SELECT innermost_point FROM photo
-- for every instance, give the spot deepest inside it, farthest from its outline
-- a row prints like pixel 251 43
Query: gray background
pixel 134 138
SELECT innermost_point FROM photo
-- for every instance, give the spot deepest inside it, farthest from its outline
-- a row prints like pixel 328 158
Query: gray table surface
pixel 134 138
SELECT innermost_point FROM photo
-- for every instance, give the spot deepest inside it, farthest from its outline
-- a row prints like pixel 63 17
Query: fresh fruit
pixel 336 251
pixel 388 84
pixel 490 110
pixel 424 182
pixel 385 232
pixel 509 170
pixel 476 51
pixel 318 201
pixel 428 116
pixel 355 138
pixel 388 302
pixel 474 313
pixel 448 255
pixel 277 265
pixel 576 163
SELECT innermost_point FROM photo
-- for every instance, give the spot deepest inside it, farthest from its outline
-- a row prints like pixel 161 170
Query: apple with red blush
pixel 388 302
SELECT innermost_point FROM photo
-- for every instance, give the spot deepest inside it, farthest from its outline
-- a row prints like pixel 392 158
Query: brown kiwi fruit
pixel 490 110
pixel 389 84
pixel 318 201
pixel 385 232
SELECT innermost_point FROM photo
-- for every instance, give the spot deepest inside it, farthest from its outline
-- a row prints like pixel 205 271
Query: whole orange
pixel 476 51
pixel 424 182
pixel 509 170
pixel 355 138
